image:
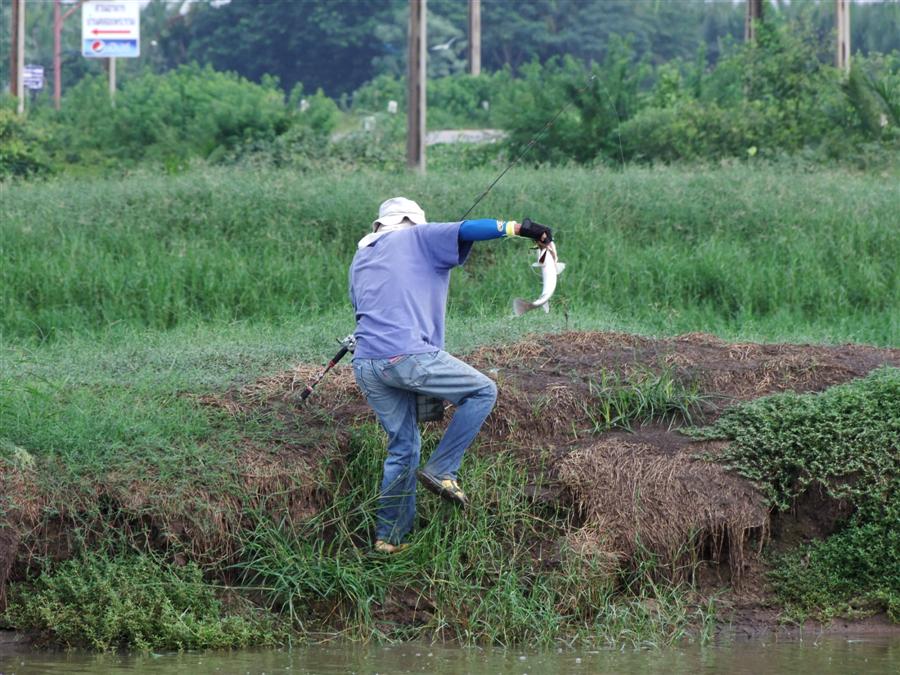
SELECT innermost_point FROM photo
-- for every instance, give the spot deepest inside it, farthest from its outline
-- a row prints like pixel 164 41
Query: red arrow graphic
pixel 97 31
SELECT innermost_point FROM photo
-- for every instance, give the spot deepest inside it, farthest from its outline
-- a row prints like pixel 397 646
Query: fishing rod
pixel 427 411
pixel 534 139
pixel 348 344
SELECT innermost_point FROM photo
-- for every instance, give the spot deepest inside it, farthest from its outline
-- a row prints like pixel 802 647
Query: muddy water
pixel 822 656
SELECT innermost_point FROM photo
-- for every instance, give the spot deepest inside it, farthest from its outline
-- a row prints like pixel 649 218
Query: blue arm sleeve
pixel 479 230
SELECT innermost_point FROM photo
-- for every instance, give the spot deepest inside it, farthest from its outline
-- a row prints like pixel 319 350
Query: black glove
pixel 540 233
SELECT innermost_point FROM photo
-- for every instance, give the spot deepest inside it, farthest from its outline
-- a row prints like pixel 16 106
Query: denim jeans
pixel 390 386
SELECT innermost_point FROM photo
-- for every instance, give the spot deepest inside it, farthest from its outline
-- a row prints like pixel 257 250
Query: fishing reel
pixel 349 343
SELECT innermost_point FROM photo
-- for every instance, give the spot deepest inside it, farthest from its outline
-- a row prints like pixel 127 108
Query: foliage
pixel 328 45
pixel 846 440
pixel 134 602
pixel 852 573
pixel 188 112
pixel 778 96
pixel 21 153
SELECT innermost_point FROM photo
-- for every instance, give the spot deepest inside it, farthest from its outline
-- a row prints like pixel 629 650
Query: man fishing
pixel 399 280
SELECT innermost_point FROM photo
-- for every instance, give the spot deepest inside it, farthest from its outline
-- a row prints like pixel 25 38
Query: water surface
pixel 810 656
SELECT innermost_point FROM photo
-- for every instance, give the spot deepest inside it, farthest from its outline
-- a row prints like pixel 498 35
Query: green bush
pixel 184 113
pixel 690 130
pixel 20 147
pixel 846 440
pixel 128 602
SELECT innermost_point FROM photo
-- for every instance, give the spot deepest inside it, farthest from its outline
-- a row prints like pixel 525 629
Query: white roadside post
pixel 111 29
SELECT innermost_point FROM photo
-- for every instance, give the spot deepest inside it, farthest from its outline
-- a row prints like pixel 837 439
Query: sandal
pixel 382 546
pixel 445 488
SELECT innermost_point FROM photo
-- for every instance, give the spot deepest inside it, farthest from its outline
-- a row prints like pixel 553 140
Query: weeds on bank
pixel 617 401
pixel 131 601
pixel 847 441
pixel 496 573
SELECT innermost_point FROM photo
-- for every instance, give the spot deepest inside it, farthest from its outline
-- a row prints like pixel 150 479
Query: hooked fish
pixel 550 267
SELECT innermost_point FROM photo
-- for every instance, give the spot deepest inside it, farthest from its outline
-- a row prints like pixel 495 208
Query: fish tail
pixel 546 307
pixel 521 306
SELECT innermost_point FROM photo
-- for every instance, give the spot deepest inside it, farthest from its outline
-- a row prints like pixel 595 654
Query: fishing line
pixel 529 145
pixel 537 136
pixel 348 344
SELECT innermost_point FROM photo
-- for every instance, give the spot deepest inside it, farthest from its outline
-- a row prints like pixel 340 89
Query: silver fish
pixel 550 267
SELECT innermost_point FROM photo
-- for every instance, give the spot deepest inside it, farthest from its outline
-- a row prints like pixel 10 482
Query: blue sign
pixel 103 48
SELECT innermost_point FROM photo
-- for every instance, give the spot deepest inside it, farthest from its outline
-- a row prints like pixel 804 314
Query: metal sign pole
pixel 112 80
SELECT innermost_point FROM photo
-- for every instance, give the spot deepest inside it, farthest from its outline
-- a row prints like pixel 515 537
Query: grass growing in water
pixel 847 440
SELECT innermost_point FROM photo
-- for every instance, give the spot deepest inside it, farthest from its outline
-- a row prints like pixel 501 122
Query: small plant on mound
pixel 846 439
pixel 129 602
pixel 616 402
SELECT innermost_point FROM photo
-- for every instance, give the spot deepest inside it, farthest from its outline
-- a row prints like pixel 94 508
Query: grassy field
pixel 120 299
pixel 738 251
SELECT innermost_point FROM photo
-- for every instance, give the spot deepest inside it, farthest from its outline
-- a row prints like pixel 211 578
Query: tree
pixel 321 44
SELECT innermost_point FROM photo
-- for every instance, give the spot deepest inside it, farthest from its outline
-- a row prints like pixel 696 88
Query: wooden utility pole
pixel 415 83
pixel 58 20
pixel 475 37
pixel 17 55
pixel 752 18
pixel 842 54
pixel 13 48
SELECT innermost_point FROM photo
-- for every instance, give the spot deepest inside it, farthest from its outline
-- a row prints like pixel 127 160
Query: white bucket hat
pixel 394 210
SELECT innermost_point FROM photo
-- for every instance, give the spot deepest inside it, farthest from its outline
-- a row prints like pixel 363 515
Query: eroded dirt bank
pixel 628 492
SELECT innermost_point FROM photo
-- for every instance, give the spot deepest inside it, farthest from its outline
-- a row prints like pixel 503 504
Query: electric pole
pixel 58 19
pixel 415 83
pixel 752 18
pixel 475 37
pixel 842 55
pixel 17 55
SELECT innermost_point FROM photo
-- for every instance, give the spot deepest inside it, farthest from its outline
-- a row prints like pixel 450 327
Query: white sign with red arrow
pixel 111 28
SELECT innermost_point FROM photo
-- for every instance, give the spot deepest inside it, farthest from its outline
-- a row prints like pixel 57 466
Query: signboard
pixel 111 28
pixel 33 77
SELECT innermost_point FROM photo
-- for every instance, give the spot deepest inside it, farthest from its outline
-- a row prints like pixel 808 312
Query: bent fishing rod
pixel 348 344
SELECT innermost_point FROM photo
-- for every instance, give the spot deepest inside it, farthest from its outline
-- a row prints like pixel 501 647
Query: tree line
pixel 340 44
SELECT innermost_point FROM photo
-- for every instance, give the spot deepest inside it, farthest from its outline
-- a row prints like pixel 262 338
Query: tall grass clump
pixel 737 251
pixel 616 402
pixel 488 575
pixel 846 441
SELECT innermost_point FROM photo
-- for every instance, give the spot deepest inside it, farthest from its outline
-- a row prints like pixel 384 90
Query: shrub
pixel 845 440
pixel 187 112
pixel 128 602
pixel 20 147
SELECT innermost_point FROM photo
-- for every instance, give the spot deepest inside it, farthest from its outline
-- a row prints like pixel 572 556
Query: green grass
pixel 480 576
pixel 731 250
pixel 616 402
pixel 120 300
